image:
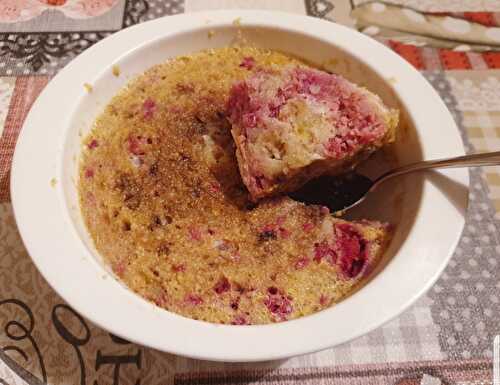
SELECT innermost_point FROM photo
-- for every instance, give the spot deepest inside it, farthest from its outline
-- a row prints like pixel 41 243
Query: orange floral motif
pixel 55 3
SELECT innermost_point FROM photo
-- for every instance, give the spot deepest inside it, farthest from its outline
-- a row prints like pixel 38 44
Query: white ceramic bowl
pixel 429 223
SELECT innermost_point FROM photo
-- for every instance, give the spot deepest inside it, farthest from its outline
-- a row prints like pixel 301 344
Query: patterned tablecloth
pixel 447 337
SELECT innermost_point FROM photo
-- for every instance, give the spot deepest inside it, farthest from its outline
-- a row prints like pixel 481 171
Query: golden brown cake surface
pixel 163 201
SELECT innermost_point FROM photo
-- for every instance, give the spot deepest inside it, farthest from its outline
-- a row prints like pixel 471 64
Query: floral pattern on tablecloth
pixel 12 11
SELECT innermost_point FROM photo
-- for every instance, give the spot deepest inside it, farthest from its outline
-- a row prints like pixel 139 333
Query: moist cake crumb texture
pixel 163 200
pixel 291 125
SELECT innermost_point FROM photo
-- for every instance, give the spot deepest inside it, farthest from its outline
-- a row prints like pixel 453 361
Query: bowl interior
pixel 390 203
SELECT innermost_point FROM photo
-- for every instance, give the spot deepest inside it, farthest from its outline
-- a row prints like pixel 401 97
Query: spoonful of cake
pixel 294 124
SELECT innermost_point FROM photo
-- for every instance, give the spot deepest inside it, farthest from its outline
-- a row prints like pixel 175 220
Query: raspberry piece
pixel 148 108
pixel 119 268
pixel 161 300
pixel 179 268
pixel 280 220
pixel 278 303
pixel 214 188
pixel 194 299
pixel 323 250
pixel 136 144
pixel 272 290
pixel 222 286
pixel 93 144
pixel 266 235
pixel 195 234
pixel 351 248
pixel 248 62
pixel 240 320
pixel 284 233
pixel 302 263
pixel 308 226
pixel 89 173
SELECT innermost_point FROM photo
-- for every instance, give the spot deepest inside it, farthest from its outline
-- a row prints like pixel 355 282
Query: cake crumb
pixel 53 182
pixel 392 80
pixel 211 34
pixel 237 21
pixel 88 87
pixel 116 70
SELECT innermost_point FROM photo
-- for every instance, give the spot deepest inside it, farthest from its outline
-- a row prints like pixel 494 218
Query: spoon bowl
pixel 341 193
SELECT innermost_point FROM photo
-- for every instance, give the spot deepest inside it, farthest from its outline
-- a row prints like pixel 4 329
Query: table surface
pixel 447 337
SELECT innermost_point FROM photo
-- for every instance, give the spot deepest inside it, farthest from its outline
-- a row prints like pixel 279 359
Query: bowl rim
pixel 54 248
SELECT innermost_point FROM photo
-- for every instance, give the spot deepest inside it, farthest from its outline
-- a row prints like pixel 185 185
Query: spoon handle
pixel 473 160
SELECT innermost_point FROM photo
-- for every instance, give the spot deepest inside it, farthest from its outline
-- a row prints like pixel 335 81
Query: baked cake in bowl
pixel 164 201
pixel 152 164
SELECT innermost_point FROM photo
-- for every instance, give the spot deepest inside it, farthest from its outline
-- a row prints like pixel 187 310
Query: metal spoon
pixel 342 193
